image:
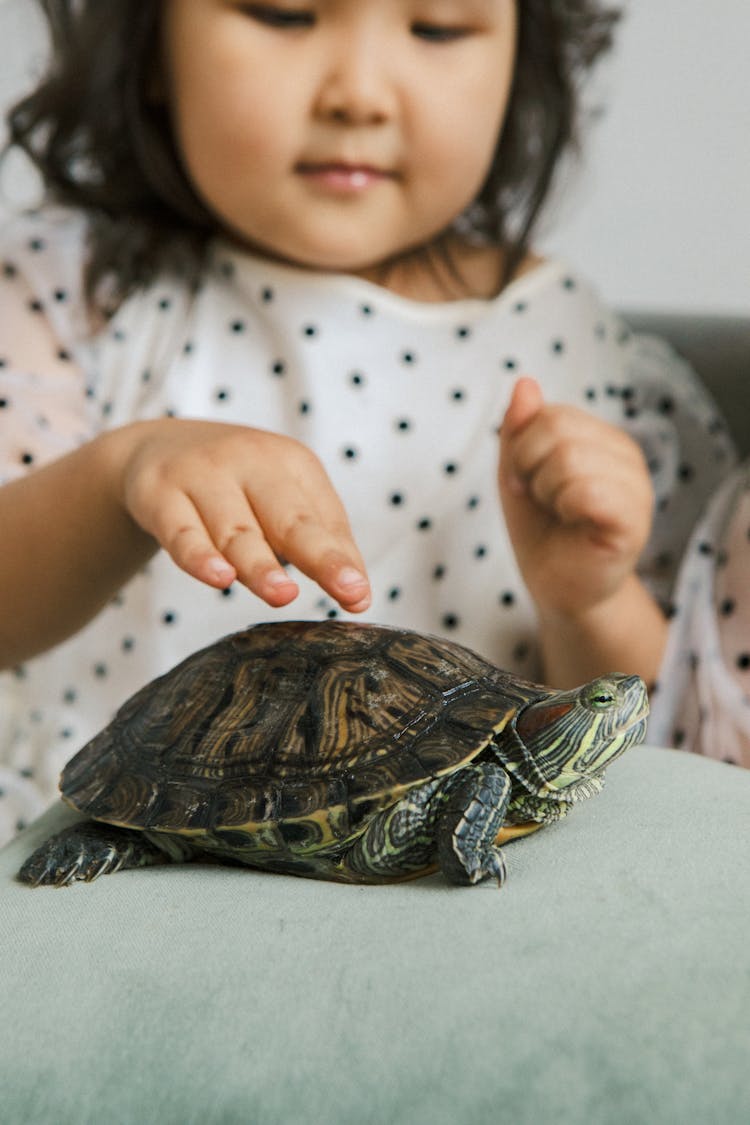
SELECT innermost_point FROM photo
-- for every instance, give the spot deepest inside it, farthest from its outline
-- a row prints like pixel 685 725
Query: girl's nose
pixel 356 87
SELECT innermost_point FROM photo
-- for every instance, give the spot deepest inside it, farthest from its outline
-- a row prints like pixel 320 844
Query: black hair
pixel 102 142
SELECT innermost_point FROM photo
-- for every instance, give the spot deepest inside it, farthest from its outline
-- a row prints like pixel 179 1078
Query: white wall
pixel 659 214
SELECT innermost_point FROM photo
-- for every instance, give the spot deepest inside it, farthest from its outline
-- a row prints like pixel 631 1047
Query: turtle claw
pixel 86 851
pixel 495 866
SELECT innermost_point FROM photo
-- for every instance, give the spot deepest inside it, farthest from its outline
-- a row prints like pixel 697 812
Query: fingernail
pixel 278 578
pixel 349 577
pixel 221 570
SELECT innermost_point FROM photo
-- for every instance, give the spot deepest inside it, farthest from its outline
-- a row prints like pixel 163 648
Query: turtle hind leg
pixel 90 849
pixel 474 802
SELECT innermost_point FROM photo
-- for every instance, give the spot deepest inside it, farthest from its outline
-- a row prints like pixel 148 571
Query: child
pixel 277 325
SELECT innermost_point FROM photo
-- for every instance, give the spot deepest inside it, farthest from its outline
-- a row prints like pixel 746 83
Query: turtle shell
pixel 292 720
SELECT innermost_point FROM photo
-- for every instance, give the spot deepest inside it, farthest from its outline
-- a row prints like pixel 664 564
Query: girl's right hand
pixel 230 502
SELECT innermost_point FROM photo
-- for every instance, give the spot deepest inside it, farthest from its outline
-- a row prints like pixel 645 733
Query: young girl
pixel 256 365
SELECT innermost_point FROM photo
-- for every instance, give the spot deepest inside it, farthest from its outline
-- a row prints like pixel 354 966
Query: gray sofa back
pixel 718 348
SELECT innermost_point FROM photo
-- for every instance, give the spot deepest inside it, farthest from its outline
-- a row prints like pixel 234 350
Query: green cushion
pixel 608 982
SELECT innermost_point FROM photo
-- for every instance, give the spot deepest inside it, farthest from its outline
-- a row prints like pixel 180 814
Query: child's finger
pixel 525 401
pixel 176 524
pixel 595 476
pixel 310 529
pixel 180 528
pixel 329 558
pixel 235 531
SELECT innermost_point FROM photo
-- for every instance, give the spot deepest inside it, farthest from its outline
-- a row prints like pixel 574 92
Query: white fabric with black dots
pixel 401 402
pixel 702 701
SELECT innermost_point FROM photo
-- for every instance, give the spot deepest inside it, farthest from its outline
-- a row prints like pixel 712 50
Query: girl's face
pixel 338 134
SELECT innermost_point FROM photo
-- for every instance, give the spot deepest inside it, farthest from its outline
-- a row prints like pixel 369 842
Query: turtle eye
pixel 601 697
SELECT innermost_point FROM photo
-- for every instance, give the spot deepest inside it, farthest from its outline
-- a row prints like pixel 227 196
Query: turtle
pixel 337 750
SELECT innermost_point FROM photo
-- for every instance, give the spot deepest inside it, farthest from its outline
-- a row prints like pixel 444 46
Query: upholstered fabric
pixel 607 983
pixel 718 348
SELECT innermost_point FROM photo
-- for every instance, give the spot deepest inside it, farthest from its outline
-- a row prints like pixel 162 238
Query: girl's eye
pixel 434 33
pixel 279 17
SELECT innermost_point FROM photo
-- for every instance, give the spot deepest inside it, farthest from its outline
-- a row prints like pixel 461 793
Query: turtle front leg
pixel 453 821
pixel 90 849
pixel 473 807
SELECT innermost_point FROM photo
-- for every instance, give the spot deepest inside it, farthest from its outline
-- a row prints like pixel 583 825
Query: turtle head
pixel 567 738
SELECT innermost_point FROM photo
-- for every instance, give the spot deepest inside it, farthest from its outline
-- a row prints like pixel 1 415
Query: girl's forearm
pixel 627 633
pixel 68 545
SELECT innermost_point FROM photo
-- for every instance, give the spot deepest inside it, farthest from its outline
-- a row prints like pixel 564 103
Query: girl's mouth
pixel 344 178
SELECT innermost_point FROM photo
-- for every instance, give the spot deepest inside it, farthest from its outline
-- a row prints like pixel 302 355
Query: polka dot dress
pixel 702 701
pixel 401 402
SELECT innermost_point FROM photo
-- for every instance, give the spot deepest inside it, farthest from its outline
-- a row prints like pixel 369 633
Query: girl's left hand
pixel 577 498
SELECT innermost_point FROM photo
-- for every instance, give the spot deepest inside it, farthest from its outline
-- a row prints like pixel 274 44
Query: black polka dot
pixel 394 594
pixel 458 394
pixel 507 598
pixel 424 524
pixel 357 379
pixel 304 407
pixel 169 617
pixel 223 395
pixel 450 468
pixel 480 551
pixel 558 347
pixel 238 327
pixel 451 621
pixel 743 661
pixel 350 453
pixel 396 499
pixel 267 295
pixel 408 357
pixel 403 425
pixel 510 364
pixel 463 332
pixel 310 330
pixel 366 310
pixel 278 367
pixel 439 572
pixel 165 304
pixel 27 458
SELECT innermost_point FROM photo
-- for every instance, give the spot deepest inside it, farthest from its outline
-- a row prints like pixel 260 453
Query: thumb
pixel 525 401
